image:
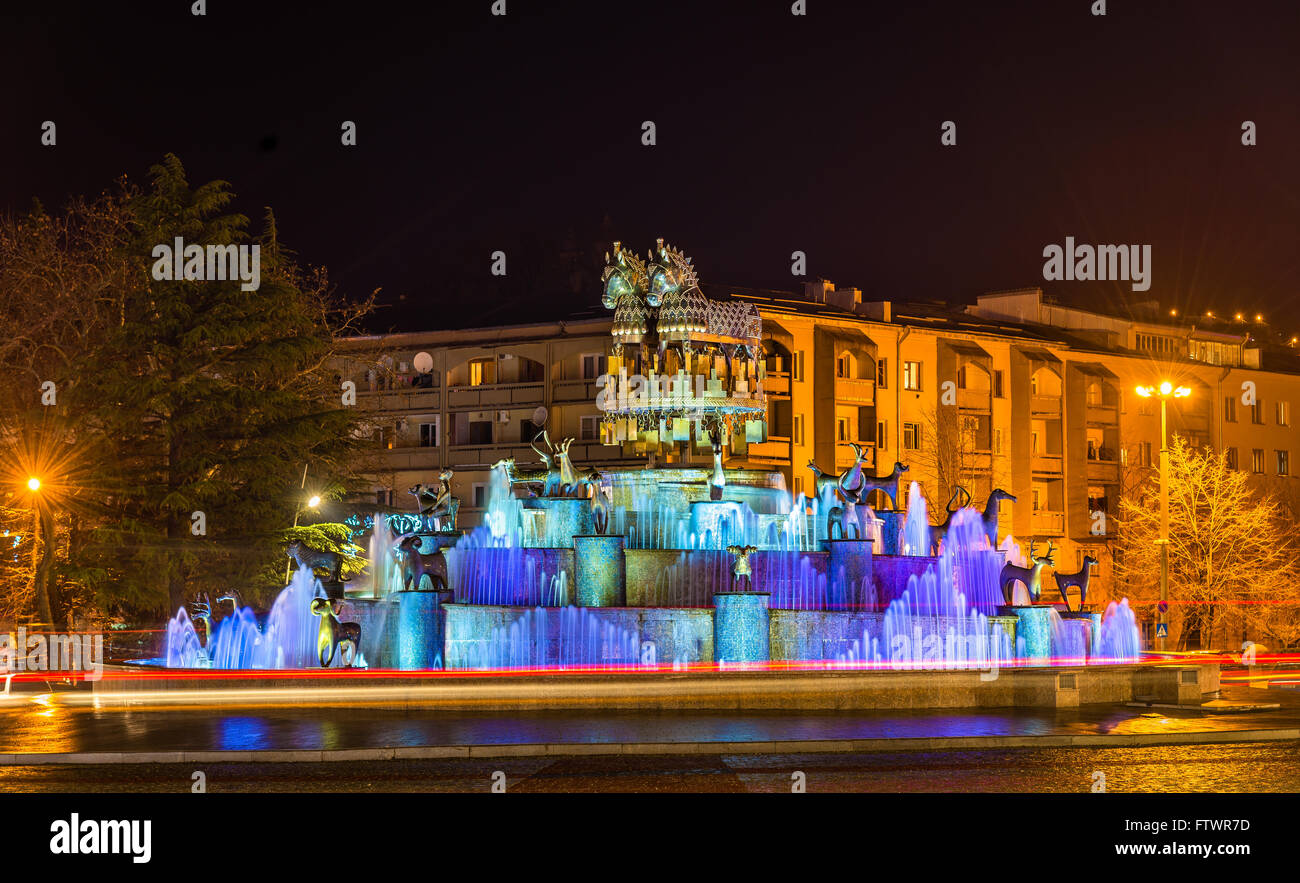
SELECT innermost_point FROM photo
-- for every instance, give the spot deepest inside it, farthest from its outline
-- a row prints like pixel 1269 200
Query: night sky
pixel 775 133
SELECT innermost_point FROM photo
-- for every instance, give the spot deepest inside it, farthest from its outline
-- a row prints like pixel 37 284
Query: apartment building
pixel 1015 392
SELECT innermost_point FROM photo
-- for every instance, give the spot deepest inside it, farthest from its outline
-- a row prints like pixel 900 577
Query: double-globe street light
pixel 1165 391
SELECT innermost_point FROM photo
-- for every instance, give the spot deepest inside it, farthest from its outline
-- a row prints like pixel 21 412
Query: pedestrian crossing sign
pixel 1162 630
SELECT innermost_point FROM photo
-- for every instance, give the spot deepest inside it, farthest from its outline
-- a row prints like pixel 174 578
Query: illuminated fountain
pixel 681 563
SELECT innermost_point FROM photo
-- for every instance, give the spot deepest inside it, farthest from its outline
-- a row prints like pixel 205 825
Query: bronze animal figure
pixel 837 517
pixel 1065 580
pixel 333 635
pixel 415 566
pixel 857 486
pixel 1032 577
pixel 534 480
pixel 939 532
pixel 316 559
pixel 826 485
pixel 990 515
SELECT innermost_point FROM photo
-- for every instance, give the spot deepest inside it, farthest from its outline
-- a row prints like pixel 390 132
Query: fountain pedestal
pixel 740 627
pixel 891 531
pixel 717 523
pixel 419 629
pixel 1094 636
pixel 560 520
pixel 1033 631
pixel 848 573
pixel 599 571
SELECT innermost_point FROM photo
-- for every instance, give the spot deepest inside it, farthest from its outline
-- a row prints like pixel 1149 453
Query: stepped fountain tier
pixel 670 566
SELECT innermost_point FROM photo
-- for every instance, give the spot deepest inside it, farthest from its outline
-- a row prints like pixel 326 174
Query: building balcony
pixel 777 384
pixel 1046 463
pixel 495 395
pixel 574 391
pixel 1047 523
pixel 426 459
pixel 975 400
pixel 487 454
pixel 1045 406
pixel 855 391
pixel 774 450
pixel 405 401
pixel 1102 415
pixel 1104 469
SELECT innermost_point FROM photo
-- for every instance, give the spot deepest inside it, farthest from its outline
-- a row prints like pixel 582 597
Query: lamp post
pixel 312 503
pixel 44 562
pixel 1165 391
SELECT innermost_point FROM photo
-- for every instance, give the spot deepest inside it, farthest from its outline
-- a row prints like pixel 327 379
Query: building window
pixel 842 367
pixel 912 375
pixel 1146 454
pixel 1283 413
pixel 882 435
pixel 1230 458
pixel 961 377
pixel 1230 409
pixel 911 436
pixel 798 429
pixel 882 373
pixel 997 441
pixel 480 495
pixel 1033 443
pixel 997 385
pixel 482 371
pixel 1033 384
pixel 429 435
pixel 842 429
pixel 589 428
pixel 594 365
pixel 1257 461
pixel 796 365
pixel 1283 462
pixel 1257 412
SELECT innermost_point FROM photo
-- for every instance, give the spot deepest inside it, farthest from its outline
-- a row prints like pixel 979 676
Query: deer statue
pixel 826 486
pixel 533 479
pixel 990 516
pixel 333 635
pixel 1080 579
pixel 844 519
pixel 570 486
pixel 551 486
pixel 939 532
pixel 231 595
pixel 1031 576
pixel 857 486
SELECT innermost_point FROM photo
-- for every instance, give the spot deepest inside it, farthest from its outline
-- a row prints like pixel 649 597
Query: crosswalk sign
pixel 1162 630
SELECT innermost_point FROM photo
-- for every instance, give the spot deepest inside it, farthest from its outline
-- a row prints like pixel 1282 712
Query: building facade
pixel 1015 392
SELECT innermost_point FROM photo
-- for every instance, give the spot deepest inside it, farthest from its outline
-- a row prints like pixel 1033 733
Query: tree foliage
pixel 1231 556
pixel 186 408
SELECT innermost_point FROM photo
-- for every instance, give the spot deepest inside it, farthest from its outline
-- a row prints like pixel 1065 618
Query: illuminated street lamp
pixel 1165 391
pixel 33 484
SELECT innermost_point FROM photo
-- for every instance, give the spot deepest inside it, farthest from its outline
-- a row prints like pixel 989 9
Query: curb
pixel 578 749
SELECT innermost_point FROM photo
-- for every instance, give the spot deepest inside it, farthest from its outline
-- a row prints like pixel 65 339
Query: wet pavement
pixel 1244 767
pixel 33 727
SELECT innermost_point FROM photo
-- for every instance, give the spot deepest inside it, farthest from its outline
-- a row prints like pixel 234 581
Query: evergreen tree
pixel 204 402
